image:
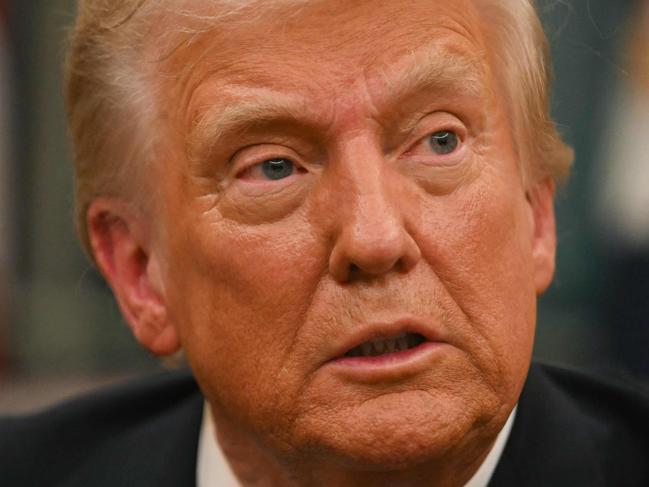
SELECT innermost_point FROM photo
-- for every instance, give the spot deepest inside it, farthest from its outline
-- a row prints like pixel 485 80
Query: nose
pixel 371 237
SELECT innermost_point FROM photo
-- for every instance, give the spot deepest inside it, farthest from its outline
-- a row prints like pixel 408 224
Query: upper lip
pixel 385 329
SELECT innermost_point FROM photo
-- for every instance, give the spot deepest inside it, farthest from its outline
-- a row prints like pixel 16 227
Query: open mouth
pixel 384 346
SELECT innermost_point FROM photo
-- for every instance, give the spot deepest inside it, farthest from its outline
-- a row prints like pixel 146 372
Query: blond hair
pixel 523 58
pixel 111 97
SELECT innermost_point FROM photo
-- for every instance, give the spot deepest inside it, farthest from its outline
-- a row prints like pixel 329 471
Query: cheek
pixel 239 296
pixel 478 242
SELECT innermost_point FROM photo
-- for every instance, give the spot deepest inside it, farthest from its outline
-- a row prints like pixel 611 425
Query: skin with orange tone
pixel 266 283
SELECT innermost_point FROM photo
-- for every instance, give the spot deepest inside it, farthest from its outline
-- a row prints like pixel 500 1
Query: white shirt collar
pixel 483 475
pixel 213 470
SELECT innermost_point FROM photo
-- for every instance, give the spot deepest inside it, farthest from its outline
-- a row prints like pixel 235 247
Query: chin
pixel 402 431
pixel 397 454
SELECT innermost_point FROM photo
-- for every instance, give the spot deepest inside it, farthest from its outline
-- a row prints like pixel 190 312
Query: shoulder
pixel 619 408
pixel 112 424
pixel 618 400
pixel 577 428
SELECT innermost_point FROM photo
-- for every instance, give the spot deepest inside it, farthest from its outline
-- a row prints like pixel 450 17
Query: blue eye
pixel 443 142
pixel 275 169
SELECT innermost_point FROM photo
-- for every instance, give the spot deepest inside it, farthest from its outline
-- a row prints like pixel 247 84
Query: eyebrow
pixel 435 70
pixel 431 70
pixel 260 106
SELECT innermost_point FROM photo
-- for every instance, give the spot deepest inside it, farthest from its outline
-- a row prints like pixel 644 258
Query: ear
pixel 544 239
pixel 119 242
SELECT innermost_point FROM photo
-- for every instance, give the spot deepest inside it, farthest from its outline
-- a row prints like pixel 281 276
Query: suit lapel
pixel 551 443
pixel 160 453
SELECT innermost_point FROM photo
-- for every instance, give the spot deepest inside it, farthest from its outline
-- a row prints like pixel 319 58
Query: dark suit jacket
pixel 570 430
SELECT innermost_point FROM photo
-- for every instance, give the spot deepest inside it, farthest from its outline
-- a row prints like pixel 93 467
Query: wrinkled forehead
pixel 339 22
pixel 319 39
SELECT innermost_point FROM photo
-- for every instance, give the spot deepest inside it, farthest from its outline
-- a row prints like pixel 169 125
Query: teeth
pixel 379 346
pixel 412 341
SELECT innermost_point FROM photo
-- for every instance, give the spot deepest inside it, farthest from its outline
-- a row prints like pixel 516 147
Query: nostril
pixel 373 269
pixel 354 270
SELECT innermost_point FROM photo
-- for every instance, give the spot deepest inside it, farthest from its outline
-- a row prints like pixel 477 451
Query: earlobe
pixel 118 242
pixel 544 240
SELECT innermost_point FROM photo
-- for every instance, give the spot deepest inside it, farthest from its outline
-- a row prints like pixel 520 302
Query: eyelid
pixel 461 134
pixel 436 122
pixel 248 157
pixel 239 174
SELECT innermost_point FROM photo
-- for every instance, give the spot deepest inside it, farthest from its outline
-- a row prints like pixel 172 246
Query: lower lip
pixel 394 365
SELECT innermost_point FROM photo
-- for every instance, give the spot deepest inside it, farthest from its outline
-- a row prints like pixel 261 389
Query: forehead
pixel 320 25
pixel 325 48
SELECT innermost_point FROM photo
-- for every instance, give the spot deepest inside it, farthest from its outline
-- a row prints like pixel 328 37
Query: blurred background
pixel 61 333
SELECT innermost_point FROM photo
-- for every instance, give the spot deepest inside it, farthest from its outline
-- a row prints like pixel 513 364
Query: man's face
pixel 334 175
